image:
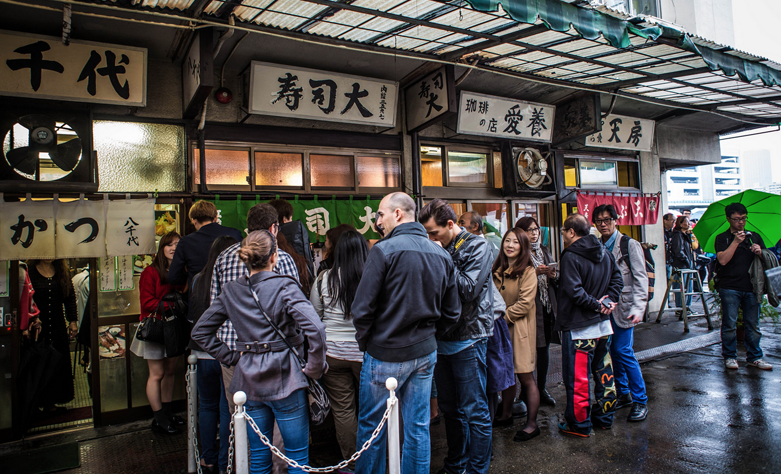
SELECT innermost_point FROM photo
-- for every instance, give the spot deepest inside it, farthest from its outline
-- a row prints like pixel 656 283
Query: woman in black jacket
pixel 682 255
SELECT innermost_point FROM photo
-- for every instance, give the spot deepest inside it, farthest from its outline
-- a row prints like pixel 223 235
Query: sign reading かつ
pixel 321 95
pixel 491 116
pixel 27 230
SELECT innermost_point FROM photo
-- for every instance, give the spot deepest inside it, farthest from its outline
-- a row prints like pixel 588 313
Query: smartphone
pixel 553 265
pixel 607 302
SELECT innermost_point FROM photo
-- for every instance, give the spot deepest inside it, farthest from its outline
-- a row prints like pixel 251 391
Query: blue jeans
pixel 414 390
pixel 461 379
pixel 292 416
pixel 213 408
pixel 731 301
pixel 626 369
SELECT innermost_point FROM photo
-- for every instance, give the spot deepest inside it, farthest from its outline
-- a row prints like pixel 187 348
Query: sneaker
pixel 731 364
pixel 759 364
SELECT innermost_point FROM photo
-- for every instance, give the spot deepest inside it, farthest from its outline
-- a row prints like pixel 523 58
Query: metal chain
pixel 191 413
pixel 231 452
pixel 306 468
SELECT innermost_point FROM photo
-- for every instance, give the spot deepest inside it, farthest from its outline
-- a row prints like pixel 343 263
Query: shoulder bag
pixel 319 405
pixel 151 328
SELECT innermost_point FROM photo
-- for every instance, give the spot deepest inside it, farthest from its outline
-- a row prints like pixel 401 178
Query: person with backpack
pixel 629 256
pixel 297 238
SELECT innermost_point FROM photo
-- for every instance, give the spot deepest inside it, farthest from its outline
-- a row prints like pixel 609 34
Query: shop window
pixel 378 171
pixel 571 173
pixel 465 168
pixel 598 173
pixel 139 157
pixel 628 174
pixel 496 216
pixel 431 165
pixel 225 169
pixel 332 171
pixel 279 169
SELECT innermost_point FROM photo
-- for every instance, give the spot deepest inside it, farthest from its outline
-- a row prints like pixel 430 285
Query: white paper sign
pixel 624 133
pixel 125 272
pixel 81 229
pixel 108 274
pixel 42 67
pixel 27 230
pixel 480 114
pixel 321 95
pixel 130 227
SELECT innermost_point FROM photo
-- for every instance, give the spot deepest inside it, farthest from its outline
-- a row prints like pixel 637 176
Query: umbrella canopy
pixel 764 218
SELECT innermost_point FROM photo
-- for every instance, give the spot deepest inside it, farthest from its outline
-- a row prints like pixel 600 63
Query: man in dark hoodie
pixel 407 297
pixel 589 288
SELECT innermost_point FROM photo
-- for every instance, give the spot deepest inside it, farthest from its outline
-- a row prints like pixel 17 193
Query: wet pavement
pixel 702 419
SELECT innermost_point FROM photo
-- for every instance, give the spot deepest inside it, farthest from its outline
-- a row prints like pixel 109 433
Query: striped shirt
pixel 229 267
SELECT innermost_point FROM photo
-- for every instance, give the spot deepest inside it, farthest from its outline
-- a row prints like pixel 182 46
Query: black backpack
pixel 649 263
pixel 298 237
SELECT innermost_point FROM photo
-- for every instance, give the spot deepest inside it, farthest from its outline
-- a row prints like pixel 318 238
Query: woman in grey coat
pixel 266 370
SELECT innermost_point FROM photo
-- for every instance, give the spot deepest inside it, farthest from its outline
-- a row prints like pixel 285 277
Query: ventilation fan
pixel 43 139
pixel 532 167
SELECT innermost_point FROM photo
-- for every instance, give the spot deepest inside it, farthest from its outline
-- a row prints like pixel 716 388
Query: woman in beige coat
pixel 516 279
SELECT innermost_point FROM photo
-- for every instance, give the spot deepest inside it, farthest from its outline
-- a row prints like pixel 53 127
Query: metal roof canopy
pixel 544 41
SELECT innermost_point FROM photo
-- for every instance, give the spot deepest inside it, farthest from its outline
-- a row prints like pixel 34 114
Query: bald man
pixel 407 296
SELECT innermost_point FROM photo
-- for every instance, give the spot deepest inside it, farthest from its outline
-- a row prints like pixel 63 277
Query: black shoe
pixel 546 399
pixel 624 401
pixel 505 422
pixel 519 409
pixel 639 412
pixel 522 436
pixel 177 420
pixel 168 429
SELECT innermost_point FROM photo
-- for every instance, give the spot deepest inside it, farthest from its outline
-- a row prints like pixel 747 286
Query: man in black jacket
pixel 295 232
pixel 589 287
pixel 406 298
pixel 193 249
pixel 461 365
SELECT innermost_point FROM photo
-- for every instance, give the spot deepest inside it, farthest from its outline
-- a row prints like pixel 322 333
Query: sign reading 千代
pixel 42 67
pixel 430 99
pixel 624 133
pixel 321 95
pixel 480 114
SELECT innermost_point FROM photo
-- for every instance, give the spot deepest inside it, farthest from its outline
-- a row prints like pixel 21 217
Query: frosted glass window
pixel 378 171
pixel 224 168
pixel 279 169
pixel 332 171
pixel 139 157
pixel 467 168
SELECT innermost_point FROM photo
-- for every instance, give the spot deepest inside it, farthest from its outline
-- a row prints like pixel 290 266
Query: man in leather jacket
pixel 461 373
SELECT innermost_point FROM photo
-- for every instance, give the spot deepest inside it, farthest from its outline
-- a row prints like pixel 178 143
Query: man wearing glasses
pixel 735 250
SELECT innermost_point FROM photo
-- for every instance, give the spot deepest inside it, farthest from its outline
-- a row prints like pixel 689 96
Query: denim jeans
pixel 213 408
pixel 461 379
pixel 578 358
pixel 731 301
pixel 626 368
pixel 292 416
pixel 414 389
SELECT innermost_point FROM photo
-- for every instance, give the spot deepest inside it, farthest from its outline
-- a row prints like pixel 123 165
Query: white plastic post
pixel 192 412
pixel 241 446
pixel 394 445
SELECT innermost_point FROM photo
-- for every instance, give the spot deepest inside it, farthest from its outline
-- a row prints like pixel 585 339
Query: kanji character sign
pixel 130 227
pixel 81 229
pixel 27 230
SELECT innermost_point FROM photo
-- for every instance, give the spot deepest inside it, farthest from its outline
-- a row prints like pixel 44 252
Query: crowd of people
pixel 433 304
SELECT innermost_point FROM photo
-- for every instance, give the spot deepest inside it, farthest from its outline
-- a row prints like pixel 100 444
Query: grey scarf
pixel 538 259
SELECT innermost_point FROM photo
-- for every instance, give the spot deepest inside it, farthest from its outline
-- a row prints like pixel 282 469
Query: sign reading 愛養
pixel 624 133
pixel 321 95
pixel 430 99
pixel 491 116
pixel 42 67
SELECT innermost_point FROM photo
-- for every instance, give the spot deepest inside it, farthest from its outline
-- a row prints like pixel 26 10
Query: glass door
pixel 544 213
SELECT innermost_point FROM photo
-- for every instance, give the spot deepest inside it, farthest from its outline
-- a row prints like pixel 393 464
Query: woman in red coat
pixel 160 384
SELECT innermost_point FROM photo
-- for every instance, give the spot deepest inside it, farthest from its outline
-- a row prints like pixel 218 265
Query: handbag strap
pixel 276 329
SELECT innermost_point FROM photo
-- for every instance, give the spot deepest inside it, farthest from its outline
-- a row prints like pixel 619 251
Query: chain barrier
pixel 191 416
pixel 306 468
pixel 231 440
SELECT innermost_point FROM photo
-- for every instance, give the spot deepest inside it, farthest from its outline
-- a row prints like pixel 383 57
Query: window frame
pixel 446 148
pixel 596 157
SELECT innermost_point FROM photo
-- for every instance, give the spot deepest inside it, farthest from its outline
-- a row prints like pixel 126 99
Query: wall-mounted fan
pixel 532 167
pixel 46 151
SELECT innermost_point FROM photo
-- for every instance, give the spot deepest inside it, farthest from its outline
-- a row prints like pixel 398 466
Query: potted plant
pixel 766 312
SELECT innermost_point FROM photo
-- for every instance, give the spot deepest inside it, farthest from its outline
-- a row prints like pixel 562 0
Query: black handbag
pixel 176 328
pixel 151 328
pixel 319 405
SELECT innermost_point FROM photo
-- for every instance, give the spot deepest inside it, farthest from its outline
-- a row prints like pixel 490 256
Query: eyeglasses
pixel 739 219
pixel 602 221
pixel 533 230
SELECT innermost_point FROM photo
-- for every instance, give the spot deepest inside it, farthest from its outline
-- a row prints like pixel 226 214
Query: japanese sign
pixel 430 99
pixel 130 227
pixel 27 230
pixel 624 133
pixel 42 67
pixel 321 95
pixel 632 209
pixel 198 72
pixel 491 116
pixel 317 215
pixel 81 231
pixel 577 119
pixel 108 274
pixel 125 272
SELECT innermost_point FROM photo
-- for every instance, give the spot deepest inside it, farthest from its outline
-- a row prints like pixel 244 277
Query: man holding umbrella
pixel 735 250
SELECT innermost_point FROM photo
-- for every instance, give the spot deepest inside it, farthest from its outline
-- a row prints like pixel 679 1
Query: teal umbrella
pixel 764 218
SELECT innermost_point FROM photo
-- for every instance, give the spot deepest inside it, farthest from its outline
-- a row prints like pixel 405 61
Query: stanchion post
pixel 192 412
pixel 240 433
pixel 394 445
